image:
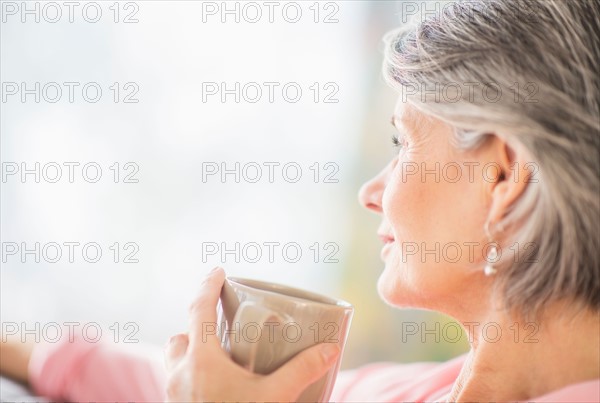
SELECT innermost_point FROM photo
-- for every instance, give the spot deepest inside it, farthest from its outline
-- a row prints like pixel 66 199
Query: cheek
pixel 423 214
pixel 432 210
pixel 404 204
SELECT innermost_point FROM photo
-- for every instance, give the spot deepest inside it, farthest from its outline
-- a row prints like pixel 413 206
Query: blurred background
pixel 150 119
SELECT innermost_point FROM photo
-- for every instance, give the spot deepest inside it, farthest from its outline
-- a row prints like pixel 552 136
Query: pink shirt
pixel 81 371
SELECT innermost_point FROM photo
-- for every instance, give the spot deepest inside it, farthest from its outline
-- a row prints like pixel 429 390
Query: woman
pixel 497 168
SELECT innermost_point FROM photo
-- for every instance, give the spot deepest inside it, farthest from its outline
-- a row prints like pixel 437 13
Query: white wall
pixel 169 134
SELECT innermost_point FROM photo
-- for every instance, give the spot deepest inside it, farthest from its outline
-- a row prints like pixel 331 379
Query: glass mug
pixel 263 325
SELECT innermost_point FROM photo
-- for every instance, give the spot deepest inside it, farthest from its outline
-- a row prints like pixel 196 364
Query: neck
pixel 517 360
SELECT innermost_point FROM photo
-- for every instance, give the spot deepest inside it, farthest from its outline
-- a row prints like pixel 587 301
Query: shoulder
pixel 430 381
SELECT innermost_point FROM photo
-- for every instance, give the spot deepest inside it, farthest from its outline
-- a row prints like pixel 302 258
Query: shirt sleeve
pixel 78 370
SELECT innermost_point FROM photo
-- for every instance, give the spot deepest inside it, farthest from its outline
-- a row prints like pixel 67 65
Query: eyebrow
pixel 400 126
pixel 403 128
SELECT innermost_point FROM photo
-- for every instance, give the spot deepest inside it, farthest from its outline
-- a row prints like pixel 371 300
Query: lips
pixel 386 238
pixel 385 233
pixel 388 244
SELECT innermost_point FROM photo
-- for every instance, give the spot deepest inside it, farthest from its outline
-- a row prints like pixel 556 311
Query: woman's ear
pixel 513 175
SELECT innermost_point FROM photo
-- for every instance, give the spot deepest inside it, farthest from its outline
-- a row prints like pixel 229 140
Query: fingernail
pixel 215 269
pixel 329 351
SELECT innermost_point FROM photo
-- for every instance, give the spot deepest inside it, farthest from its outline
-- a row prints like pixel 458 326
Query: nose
pixel 370 194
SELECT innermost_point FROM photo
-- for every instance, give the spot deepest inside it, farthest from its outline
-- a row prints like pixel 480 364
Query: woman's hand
pixel 200 370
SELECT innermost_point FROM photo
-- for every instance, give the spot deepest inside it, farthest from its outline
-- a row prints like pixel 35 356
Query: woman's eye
pixel 398 142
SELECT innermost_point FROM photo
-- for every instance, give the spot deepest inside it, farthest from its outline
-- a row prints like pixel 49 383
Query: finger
pixel 203 312
pixel 175 350
pixel 306 367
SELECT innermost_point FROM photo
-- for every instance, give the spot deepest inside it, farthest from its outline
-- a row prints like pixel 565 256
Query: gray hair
pixel 542 58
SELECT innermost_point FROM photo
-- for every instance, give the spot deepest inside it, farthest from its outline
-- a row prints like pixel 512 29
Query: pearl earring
pixel 492 254
pixel 489 270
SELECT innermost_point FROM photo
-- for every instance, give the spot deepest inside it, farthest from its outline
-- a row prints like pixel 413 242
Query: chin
pixel 404 285
pixel 392 289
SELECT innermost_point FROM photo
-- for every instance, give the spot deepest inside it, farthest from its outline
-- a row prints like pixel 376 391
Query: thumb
pixel 306 367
